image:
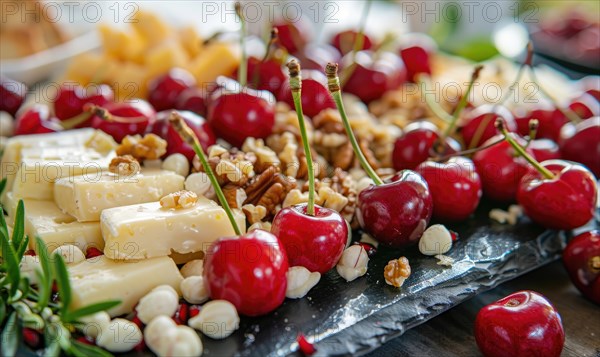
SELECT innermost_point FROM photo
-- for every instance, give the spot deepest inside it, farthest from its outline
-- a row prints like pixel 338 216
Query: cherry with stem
pixel 358 43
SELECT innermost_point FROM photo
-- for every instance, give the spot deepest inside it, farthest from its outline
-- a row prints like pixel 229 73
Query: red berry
pixel 479 124
pixel 292 35
pixel 315 96
pixel 416 51
pixel 580 143
pixel 31 338
pixel 306 347
pixel 126 118
pixel 165 90
pixel 585 106
pixel 544 149
pixel 345 41
pixel 72 97
pixel 194 100
pixel 12 95
pixel 316 56
pixel 36 120
pixel 550 121
pixel 265 75
pixel 582 261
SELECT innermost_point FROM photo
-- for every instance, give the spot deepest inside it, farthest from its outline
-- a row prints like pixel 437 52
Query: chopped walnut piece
pixel 396 271
pixel 230 166
pixel 150 147
pixel 254 214
pixel 234 194
pixel 179 199
pixel 269 189
pixel 125 165
pixel 265 156
pixel 337 192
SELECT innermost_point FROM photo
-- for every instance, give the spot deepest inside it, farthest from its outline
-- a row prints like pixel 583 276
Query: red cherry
pixel 373 75
pixel 585 106
pixel 482 120
pixel 344 41
pixel 292 35
pixel 235 116
pixel 591 86
pixel 72 98
pixel 455 188
pixel 316 56
pixel 314 242
pixel 417 145
pixel 580 143
pixel 315 96
pixel 550 121
pixel 193 99
pixel 416 51
pixel 265 75
pixel 582 261
pixel 249 271
pixel 566 201
pixel 31 338
pixel 165 90
pixel 12 95
pixel 544 149
pixel 500 169
pixel 36 120
pixel 128 118
pixel 398 212
pixel 522 324
pixel 199 126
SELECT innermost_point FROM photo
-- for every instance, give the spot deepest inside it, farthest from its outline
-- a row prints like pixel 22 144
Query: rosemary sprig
pixel 23 305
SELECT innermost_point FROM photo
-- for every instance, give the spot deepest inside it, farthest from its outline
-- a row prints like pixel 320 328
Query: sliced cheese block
pixel 55 228
pixel 100 279
pixel 84 197
pixel 147 230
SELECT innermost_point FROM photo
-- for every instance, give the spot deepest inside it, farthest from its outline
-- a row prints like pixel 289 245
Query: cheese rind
pixel 147 230
pixel 84 197
pixel 100 279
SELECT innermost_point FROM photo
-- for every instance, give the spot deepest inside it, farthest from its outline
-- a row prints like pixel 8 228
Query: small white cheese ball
pixel 165 338
pixel 166 287
pixel 28 267
pixel 70 253
pixel 157 303
pixel 353 263
pixel 198 183
pixel 217 319
pixel 435 240
pixel 177 163
pixel 194 290
pixel 119 335
pixel 299 282
pixel 7 125
pixel 94 324
pixel 192 268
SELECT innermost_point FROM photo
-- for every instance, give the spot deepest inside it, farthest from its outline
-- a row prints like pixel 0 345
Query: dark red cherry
pixel 199 126
pixel 72 98
pixel 314 242
pixel 373 75
pixel 591 86
pixel 582 261
pixel 585 106
pixel 249 271
pixel 416 51
pixel 125 118
pixel 164 91
pixel 265 75
pixel 344 41
pixel 396 213
pixel 316 56
pixel 12 95
pixel 36 120
pixel 544 149
pixel 193 99
pixel 417 145
pixel 455 187
pixel 293 35
pixel 315 96
pixel 478 124
pixel 580 143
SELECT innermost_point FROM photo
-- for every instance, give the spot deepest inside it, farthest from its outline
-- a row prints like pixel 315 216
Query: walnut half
pixel 179 199
pixel 150 147
pixel 396 271
pixel 125 165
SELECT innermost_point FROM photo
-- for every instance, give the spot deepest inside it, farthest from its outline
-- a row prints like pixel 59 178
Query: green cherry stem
pixel 242 71
pixel 521 151
pixel 424 81
pixel 533 128
pixel 296 87
pixel 333 83
pixel 181 127
pixel 359 42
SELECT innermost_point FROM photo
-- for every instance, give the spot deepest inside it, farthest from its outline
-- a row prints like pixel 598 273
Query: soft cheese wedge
pixel 55 228
pixel 147 230
pixel 100 279
pixel 85 196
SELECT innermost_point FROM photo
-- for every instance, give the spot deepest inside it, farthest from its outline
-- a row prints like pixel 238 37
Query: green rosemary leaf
pixel 2 185
pixel 12 265
pixel 22 248
pixel 90 309
pixel 3 225
pixel 2 311
pixel 81 349
pixel 24 286
pixel 53 349
pixel 11 335
pixel 62 280
pixel 19 226
pixel 45 276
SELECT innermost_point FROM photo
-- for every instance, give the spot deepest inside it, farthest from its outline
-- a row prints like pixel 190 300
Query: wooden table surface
pixel 451 333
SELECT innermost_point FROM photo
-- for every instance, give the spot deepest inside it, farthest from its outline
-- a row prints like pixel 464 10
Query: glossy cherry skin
pixel 235 116
pixel 416 51
pixel 315 95
pixel 292 35
pixel 36 120
pixel 455 188
pixel 565 202
pixel 591 86
pixel 344 41
pixel 12 95
pixel 140 112
pixel 485 116
pixel 416 145
pixel 580 143
pixel 550 121
pixel 164 91
pixel 314 242
pixel 265 75
pixel 396 213
pixel 199 126
pixel 193 99
pixel 585 106
pixel 373 75
pixel 500 169
pixel 522 324
pixel 316 56
pixel 72 97
pixel 544 149
pixel 581 258
pixel 249 271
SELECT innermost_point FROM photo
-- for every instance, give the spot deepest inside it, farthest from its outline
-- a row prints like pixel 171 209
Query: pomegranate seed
pixel 54 287
pixel 306 347
pixel 454 235
pixel 140 347
pixel 194 310
pixel 85 340
pixel 368 247
pixel 30 252
pixel 136 320
pixel 31 338
pixel 93 252
pixel 182 314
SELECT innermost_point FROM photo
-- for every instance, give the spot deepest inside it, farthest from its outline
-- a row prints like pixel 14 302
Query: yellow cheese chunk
pixel 100 279
pixel 165 56
pixel 147 230
pixel 216 59
pixel 84 197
